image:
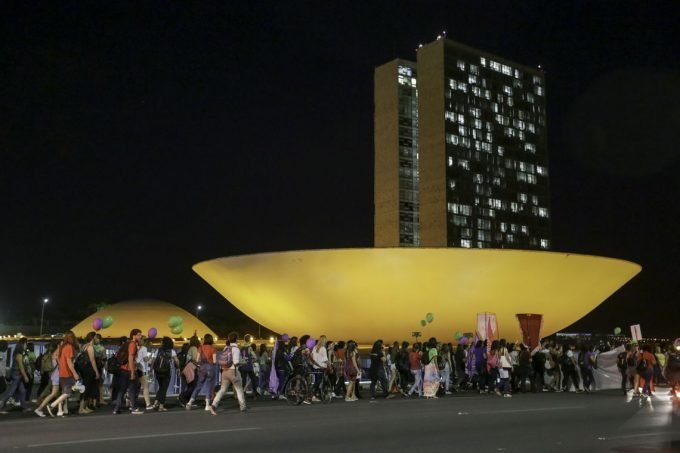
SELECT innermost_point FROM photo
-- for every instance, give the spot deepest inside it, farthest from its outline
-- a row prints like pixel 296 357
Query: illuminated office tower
pixel 460 151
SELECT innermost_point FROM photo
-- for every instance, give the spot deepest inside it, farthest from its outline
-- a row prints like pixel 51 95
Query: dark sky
pixel 138 140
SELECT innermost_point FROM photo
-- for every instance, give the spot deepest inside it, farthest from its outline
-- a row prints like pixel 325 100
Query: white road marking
pixel 143 436
pixel 538 409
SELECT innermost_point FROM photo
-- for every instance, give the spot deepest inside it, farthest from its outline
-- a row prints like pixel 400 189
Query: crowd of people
pixel 429 369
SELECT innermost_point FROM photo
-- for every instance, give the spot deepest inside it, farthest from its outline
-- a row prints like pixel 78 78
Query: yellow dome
pixel 143 315
pixel 365 294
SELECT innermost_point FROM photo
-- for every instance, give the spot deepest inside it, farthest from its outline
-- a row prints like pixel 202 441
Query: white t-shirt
pixel 320 356
pixel 143 359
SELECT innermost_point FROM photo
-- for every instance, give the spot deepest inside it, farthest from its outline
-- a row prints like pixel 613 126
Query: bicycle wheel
pixel 295 390
pixel 326 390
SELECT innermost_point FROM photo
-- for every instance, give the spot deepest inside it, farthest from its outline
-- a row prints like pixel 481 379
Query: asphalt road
pixel 547 422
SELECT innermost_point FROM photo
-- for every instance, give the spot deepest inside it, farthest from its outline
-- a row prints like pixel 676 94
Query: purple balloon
pixel 152 333
pixel 285 337
pixel 463 341
pixel 97 323
pixel 311 342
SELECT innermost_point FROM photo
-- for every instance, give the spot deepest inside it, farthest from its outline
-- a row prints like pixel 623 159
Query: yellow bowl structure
pixel 143 314
pixel 366 294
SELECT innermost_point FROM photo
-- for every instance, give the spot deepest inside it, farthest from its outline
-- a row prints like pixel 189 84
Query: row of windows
pixel 407 81
pixel 510 239
pixel 466 210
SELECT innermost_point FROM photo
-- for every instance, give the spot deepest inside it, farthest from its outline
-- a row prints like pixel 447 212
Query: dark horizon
pixel 139 140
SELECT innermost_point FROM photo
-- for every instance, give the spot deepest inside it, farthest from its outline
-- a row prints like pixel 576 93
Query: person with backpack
pixel 113 367
pixel 128 373
pixel 206 373
pixel 162 369
pixel 229 359
pixel 49 364
pixel 622 365
pixel 248 366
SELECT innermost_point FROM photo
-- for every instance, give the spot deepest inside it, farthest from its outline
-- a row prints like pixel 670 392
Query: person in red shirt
pixel 67 372
pixel 128 372
pixel 647 372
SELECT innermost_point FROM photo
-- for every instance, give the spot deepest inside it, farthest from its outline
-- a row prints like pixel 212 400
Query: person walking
pixel 351 370
pixel 127 375
pixel 431 378
pixel 50 365
pixel 416 370
pixel 229 361
pixel 191 357
pixel 67 374
pixel 143 370
pixel 622 365
pixel 19 377
pixel 89 375
pixel 377 370
pixel 162 366
pixel 206 372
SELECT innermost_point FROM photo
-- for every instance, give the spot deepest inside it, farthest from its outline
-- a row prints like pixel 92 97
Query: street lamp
pixel 198 308
pixel 42 314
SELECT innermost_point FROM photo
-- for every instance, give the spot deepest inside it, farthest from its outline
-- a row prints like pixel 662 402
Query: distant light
pixel 271 339
pixel 200 307
pixel 444 32
pixel 439 36
pixel 45 300
pixel 539 66
pixel 420 45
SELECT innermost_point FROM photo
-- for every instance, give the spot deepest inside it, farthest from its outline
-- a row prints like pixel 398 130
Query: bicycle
pixel 296 389
pixel 325 390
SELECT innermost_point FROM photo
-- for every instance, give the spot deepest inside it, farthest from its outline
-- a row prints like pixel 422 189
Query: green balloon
pixel 423 322
pixel 174 321
pixel 458 335
pixel 107 322
pixel 617 331
pixel 177 329
pixel 429 317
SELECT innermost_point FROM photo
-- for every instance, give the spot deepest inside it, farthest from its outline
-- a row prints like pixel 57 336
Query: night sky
pixel 138 140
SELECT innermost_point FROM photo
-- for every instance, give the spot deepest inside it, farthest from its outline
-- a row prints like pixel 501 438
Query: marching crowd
pixel 424 369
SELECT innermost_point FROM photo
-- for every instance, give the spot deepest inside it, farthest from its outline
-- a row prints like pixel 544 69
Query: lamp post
pixel 198 309
pixel 42 314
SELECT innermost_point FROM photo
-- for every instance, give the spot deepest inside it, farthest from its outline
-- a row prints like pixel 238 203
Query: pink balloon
pixel 463 341
pixel 285 337
pixel 152 333
pixel 311 342
pixel 97 323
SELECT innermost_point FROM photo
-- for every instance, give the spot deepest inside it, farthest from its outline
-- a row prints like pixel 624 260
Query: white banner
pixel 486 326
pixel 635 332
